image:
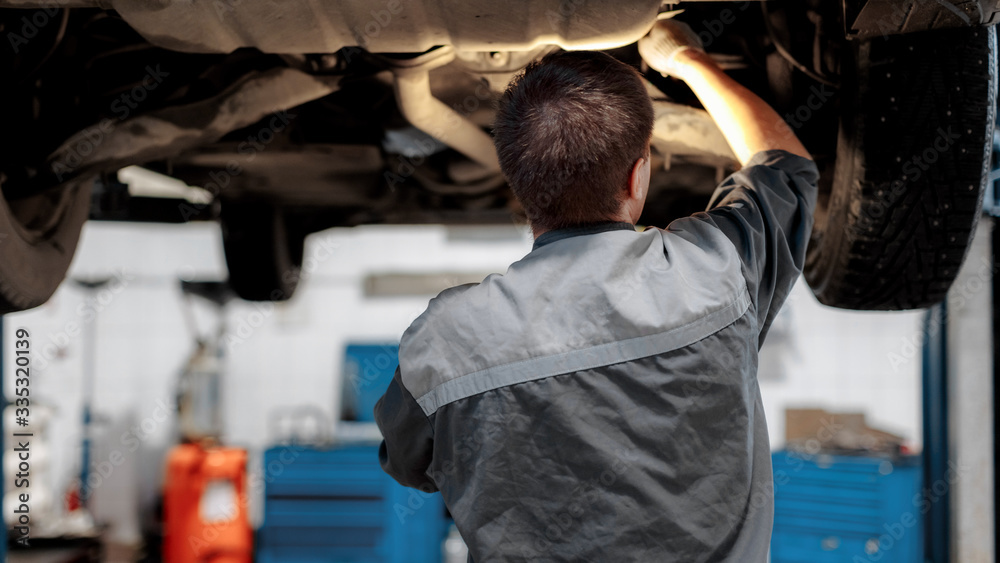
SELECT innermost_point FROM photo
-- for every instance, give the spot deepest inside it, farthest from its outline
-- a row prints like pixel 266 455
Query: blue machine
pixel 338 506
pixel 846 509
pixel 368 369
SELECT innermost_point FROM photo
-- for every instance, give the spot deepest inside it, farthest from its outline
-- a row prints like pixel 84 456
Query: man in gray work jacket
pixel 599 401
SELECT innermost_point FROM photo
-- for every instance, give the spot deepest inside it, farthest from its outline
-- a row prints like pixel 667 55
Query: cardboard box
pixel 817 430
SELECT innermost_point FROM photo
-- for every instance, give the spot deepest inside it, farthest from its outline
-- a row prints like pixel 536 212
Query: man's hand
pixel 668 38
pixel 748 123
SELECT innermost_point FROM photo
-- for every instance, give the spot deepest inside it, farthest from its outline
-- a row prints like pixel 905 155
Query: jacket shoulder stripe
pixel 610 353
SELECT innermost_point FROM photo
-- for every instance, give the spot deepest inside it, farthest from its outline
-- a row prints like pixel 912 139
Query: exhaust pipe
pixel 429 114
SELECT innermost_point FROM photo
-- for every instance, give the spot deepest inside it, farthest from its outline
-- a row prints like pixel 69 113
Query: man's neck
pixel 554 235
pixel 622 218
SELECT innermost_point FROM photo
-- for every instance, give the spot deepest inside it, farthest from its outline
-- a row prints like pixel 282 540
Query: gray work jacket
pixel 599 401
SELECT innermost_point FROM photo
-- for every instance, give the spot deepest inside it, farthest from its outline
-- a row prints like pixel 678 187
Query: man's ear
pixel 638 180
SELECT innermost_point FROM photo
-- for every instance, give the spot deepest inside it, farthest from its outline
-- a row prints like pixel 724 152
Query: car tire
pixel 38 236
pixel 913 158
pixel 263 252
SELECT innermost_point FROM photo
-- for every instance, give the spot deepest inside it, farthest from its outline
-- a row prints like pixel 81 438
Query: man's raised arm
pixel 748 122
pixel 765 208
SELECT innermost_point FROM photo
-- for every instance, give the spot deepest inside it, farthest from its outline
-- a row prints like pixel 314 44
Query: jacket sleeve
pixel 408 437
pixel 766 210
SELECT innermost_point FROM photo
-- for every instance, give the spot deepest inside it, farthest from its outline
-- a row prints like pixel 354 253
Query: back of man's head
pixel 568 132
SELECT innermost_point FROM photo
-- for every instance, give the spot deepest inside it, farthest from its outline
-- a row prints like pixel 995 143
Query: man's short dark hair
pixel 568 131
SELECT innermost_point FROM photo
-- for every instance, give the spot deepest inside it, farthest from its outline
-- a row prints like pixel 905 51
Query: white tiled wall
pixel 843 360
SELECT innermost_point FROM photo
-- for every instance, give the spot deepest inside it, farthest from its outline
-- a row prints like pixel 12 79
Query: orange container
pixel 205 506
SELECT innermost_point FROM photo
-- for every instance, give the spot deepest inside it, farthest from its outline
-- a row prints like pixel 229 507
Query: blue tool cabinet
pixel 846 509
pixel 337 505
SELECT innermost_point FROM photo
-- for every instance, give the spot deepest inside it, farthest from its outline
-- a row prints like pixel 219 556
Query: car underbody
pixel 305 116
